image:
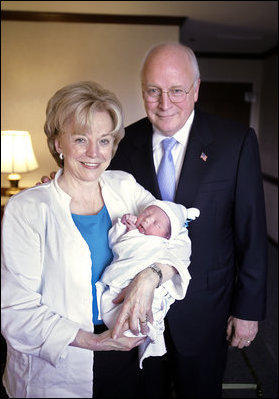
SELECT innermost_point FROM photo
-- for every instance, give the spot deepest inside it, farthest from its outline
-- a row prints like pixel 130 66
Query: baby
pixel 152 221
pixel 138 242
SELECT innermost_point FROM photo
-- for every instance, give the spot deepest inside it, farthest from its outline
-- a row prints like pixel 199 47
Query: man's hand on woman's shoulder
pixel 46 179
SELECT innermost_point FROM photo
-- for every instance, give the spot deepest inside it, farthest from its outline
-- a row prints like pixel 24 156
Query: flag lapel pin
pixel 203 156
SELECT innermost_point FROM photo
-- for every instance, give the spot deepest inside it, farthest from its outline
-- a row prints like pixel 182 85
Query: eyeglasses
pixel 176 94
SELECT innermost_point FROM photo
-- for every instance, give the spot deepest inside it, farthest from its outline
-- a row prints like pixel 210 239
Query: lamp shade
pixel 17 153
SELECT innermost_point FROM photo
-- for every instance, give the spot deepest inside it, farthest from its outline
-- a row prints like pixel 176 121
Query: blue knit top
pixel 94 229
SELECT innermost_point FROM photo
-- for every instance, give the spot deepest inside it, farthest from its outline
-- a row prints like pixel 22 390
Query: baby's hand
pixel 129 221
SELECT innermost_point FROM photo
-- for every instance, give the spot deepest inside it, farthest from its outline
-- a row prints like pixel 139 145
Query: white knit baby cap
pixel 176 212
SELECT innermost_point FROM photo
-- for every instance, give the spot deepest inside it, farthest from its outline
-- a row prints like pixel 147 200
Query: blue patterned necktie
pixel 166 171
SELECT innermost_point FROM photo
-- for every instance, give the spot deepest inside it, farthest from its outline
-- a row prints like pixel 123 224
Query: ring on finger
pixel 145 321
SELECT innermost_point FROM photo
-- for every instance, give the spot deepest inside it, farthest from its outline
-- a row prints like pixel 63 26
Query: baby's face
pixel 154 221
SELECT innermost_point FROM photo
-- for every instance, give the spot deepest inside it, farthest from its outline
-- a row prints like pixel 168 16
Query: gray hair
pixel 190 53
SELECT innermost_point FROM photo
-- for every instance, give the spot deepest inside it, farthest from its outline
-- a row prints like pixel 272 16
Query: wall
pixel 236 70
pixel 40 57
pixel 263 74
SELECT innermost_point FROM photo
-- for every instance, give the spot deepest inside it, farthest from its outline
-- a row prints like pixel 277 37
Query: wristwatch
pixel 158 271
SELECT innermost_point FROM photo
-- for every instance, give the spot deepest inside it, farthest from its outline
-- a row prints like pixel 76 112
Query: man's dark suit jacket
pixel 229 239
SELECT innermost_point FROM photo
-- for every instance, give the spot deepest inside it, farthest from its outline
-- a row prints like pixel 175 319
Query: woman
pixel 54 249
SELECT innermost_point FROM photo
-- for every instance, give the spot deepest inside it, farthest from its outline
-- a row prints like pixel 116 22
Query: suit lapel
pixel 142 160
pixel 194 167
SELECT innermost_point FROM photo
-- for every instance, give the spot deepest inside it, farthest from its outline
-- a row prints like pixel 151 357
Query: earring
pixel 61 156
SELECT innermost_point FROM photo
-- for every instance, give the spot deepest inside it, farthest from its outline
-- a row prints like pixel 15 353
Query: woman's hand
pixel 136 309
pixel 138 297
pixel 104 341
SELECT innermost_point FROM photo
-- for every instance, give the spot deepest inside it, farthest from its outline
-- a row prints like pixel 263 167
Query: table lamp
pixel 17 156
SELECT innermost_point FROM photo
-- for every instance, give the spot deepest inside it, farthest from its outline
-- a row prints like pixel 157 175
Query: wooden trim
pixel 91 18
pixel 239 56
pixel 270 179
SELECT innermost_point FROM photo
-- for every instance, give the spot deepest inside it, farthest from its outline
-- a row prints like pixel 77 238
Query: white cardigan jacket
pixel 46 287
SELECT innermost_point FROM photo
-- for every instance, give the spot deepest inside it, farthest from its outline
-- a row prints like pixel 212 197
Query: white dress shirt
pixel 178 151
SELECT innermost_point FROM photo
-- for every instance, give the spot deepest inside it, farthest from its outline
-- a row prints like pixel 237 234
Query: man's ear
pixel 196 91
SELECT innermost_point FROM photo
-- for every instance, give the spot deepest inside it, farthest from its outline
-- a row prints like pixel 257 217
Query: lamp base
pixel 11 191
pixel 14 180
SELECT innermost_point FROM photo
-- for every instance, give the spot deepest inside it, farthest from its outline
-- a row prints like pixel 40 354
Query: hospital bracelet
pixel 158 271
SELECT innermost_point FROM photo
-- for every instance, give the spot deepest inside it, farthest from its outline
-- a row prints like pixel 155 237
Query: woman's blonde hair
pixel 78 103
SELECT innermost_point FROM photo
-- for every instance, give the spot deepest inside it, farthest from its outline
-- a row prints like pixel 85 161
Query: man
pixel 217 170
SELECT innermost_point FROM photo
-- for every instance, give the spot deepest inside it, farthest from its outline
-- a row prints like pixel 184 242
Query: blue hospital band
pixel 186 224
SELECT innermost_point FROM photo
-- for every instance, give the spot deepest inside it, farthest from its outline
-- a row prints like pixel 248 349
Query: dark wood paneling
pixel 91 18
